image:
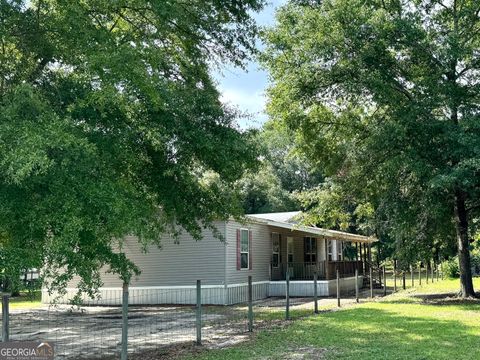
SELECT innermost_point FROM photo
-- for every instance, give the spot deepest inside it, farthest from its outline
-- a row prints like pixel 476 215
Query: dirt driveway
pixel 95 331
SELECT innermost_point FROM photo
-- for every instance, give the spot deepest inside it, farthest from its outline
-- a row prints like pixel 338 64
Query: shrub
pixel 450 268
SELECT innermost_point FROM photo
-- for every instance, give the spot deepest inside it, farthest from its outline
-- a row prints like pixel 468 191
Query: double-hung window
pixel 244 249
pixel 275 250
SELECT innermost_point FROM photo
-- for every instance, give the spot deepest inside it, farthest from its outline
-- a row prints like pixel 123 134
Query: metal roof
pixel 287 220
pixel 287 217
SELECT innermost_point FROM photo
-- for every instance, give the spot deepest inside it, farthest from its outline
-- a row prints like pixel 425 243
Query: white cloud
pixel 252 103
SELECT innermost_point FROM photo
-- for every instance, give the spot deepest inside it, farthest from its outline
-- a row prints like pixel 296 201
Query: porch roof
pixel 288 220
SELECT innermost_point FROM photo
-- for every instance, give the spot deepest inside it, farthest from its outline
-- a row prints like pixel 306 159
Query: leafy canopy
pixel 110 124
pixel 384 96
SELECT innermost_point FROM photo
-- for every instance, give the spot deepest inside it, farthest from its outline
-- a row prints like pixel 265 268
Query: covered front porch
pixel 306 252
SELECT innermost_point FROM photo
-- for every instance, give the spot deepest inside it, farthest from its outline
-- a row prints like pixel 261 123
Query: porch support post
pixel 371 281
pixel 362 254
pixel 315 291
pixel 327 267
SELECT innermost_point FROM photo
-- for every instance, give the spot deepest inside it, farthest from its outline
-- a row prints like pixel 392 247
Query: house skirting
pixel 156 295
pixel 305 288
pixel 211 294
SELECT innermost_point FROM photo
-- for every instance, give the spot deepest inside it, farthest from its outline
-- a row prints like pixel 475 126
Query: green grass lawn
pixel 25 301
pixel 411 324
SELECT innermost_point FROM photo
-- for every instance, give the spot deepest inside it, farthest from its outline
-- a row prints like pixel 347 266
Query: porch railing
pixel 326 270
pixel 346 268
pixel 299 271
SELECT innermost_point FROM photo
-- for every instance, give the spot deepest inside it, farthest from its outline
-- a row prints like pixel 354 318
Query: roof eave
pixel 330 234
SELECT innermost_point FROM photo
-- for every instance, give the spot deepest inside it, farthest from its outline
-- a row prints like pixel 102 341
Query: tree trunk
pixel 461 219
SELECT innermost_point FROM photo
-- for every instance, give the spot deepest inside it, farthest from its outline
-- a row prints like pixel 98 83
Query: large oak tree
pixel 110 124
pixel 384 94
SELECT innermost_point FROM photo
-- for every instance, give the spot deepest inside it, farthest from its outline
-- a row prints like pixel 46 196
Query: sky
pixel 246 89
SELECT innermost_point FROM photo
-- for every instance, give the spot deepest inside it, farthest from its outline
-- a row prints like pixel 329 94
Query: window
pixel 330 250
pixel 290 250
pixel 275 249
pixel 310 250
pixel 340 250
pixel 244 249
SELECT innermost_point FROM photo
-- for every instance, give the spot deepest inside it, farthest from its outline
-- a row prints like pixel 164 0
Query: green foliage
pixel 282 174
pixel 110 125
pixel 383 96
pixel 262 192
pixel 450 268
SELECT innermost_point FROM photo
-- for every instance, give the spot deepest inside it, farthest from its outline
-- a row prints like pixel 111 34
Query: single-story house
pixel 266 247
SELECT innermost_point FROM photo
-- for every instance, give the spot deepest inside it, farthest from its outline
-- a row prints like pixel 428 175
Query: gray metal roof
pixel 287 220
pixel 286 217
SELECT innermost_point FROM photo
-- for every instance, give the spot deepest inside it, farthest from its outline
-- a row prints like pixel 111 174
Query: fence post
pixel 124 353
pixel 371 281
pixel 411 276
pixel 338 287
pixel 384 282
pixel 403 280
pixel 394 275
pixel 315 291
pixel 356 284
pixel 5 317
pixel 250 304
pixel 287 295
pixel 199 312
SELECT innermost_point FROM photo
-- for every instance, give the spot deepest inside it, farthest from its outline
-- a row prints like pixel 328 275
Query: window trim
pixel 245 252
pixel 276 252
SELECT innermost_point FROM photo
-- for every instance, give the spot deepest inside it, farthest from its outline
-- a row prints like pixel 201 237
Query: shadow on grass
pixel 446 299
pixel 366 332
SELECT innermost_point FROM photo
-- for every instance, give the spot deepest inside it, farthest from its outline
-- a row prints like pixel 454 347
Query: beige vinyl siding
pixel 176 264
pixel 261 253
